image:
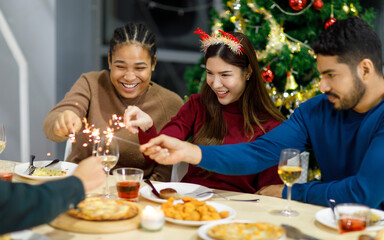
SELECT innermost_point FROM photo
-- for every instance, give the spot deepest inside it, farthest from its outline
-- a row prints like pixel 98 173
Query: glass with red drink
pixel 128 182
pixel 6 170
pixel 352 217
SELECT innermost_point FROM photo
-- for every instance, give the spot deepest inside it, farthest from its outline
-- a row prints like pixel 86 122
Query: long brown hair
pixel 256 105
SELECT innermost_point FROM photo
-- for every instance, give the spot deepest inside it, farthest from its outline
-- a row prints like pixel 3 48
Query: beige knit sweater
pixel 94 97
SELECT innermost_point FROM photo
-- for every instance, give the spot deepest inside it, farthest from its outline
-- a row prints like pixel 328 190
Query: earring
pixel 247 79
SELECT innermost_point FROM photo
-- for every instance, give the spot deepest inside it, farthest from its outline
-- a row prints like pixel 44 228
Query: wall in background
pixel 33 25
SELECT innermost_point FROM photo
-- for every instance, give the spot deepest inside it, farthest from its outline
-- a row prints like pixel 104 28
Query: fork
pixel 30 168
pixel 227 198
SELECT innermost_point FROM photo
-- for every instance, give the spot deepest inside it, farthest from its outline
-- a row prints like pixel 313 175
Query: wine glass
pixel 108 149
pixel 3 139
pixel 289 171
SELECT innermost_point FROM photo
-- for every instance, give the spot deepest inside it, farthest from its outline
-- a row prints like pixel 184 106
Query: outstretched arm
pixel 168 150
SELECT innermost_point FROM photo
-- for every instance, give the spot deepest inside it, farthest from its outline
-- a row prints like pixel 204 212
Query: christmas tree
pixel 281 32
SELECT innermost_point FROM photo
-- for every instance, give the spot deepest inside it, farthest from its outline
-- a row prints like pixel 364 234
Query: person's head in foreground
pixel 350 63
pixel 233 75
pixel 131 59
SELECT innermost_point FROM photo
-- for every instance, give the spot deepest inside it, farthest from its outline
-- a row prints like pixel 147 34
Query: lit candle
pixel 152 219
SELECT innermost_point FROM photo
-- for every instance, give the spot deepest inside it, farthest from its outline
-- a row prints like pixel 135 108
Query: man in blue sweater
pixel 344 127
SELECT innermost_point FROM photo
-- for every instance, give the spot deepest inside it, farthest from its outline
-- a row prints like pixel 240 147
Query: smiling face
pixel 131 70
pixel 226 80
pixel 343 88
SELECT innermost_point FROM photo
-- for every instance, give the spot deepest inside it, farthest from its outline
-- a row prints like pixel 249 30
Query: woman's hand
pixel 66 123
pixel 272 190
pixel 168 150
pixel 135 118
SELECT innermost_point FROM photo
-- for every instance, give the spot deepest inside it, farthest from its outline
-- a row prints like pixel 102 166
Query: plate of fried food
pixel 241 229
pixel 57 171
pixel 193 212
pixel 177 190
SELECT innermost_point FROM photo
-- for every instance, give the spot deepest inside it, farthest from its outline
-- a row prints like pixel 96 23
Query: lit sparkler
pixel 115 123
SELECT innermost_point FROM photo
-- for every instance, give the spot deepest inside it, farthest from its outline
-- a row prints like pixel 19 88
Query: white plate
pixel 181 188
pixel 28 235
pixel 203 230
pixel 219 207
pixel 325 216
pixel 63 166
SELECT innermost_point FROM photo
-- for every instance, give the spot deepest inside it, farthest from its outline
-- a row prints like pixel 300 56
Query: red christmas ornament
pixel 329 22
pixel 267 74
pixel 318 4
pixel 297 5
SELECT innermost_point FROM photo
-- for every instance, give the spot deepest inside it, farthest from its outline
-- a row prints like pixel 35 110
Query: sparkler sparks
pixel 93 133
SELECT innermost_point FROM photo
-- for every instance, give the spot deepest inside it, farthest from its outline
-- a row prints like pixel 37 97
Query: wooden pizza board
pixel 68 223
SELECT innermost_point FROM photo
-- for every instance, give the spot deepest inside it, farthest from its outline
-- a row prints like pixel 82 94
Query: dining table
pixel 250 211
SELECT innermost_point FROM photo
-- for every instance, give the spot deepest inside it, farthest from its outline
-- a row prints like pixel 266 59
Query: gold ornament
pixel 278 102
pixel 233 19
pixel 300 96
pixel 345 8
pixel 291 83
pixel 353 10
pixel 229 3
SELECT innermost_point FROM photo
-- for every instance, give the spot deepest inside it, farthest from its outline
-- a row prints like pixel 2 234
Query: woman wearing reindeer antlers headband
pixel 95 102
pixel 233 107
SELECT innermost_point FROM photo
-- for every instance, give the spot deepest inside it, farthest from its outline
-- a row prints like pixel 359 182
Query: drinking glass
pixel 3 139
pixel 128 182
pixel 352 217
pixel 108 149
pixel 7 169
pixel 289 171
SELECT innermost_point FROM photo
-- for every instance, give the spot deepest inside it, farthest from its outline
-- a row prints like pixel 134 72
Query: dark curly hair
pixel 352 40
pixel 134 33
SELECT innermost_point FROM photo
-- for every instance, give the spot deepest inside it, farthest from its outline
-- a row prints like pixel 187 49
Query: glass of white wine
pixel 289 171
pixel 108 149
pixel 3 139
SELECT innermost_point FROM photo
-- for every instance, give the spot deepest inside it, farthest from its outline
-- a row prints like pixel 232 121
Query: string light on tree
pixel 353 9
pixel 345 8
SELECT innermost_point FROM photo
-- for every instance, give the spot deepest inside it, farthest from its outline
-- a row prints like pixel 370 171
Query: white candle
pixel 152 219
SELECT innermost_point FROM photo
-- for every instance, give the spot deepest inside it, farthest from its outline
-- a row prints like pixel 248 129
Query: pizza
pixel 104 209
pixel 248 231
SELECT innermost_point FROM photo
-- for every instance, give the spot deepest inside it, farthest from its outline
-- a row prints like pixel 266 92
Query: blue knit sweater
pixel 349 148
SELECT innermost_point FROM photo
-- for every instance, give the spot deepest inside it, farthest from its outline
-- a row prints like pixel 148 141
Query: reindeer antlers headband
pixel 225 38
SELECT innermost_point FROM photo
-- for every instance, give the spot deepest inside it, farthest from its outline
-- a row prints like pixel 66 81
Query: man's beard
pixel 350 101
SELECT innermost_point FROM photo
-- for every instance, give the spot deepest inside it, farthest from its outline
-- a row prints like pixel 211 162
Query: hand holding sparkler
pixel 67 124
pixel 135 118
